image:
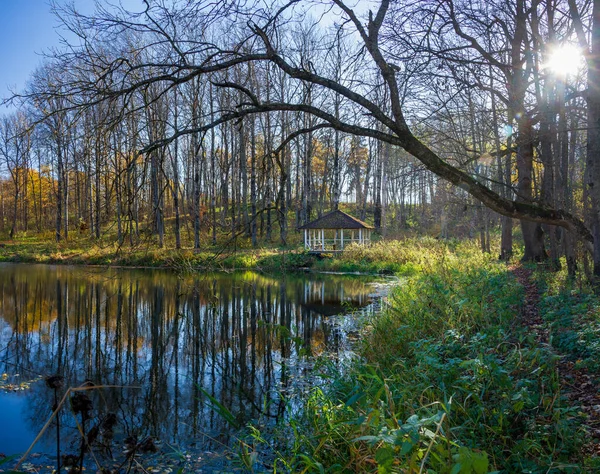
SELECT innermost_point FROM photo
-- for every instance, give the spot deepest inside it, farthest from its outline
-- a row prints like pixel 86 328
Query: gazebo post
pixel 360 236
pixel 322 239
pixel 342 239
pixel 306 244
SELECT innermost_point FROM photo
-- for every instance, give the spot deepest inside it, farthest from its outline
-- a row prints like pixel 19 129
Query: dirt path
pixel 580 389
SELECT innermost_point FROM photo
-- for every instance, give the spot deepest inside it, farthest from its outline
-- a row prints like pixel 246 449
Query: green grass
pixel 571 312
pixel 446 381
pixel 84 251
pixel 403 257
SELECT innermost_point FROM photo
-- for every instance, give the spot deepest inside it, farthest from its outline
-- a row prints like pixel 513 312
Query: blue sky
pixel 27 29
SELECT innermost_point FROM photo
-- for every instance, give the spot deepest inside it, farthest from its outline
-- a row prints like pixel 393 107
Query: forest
pixel 447 118
pixel 201 135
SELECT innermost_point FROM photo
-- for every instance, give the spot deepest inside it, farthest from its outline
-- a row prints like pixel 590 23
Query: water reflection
pixel 165 341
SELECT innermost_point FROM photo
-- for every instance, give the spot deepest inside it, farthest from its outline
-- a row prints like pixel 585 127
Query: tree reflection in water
pixel 237 337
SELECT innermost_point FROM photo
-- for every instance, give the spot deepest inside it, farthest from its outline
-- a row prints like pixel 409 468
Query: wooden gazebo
pixel 326 234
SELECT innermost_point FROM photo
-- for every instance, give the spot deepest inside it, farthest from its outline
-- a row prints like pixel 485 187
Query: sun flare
pixel 564 60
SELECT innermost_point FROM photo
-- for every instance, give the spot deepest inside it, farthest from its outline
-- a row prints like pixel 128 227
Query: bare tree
pixel 15 147
pixel 139 60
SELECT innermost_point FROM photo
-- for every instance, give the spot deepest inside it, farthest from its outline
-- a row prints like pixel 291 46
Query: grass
pixel 406 256
pixel 446 381
pixel 571 312
pixel 84 251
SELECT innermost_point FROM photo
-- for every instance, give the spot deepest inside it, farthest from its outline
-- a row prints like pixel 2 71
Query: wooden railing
pixel 333 245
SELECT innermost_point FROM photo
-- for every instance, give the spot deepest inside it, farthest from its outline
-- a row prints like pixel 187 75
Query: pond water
pixel 165 343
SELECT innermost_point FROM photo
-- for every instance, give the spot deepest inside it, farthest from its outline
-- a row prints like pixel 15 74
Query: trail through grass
pixel 449 379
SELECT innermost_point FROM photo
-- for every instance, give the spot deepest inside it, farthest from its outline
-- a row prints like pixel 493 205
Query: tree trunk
pixel 175 188
pixel 593 144
pixel 533 235
pixel 59 190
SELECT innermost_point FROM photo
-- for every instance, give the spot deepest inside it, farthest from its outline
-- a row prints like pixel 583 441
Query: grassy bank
pixel 449 380
pixel 384 257
pixel 83 251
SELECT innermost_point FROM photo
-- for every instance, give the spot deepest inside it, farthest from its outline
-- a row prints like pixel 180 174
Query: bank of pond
pixel 384 257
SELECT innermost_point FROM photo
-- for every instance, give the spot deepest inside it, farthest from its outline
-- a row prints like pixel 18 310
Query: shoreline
pixel 217 268
pixel 264 260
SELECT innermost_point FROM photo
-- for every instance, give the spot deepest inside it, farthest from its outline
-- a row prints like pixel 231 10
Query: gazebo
pixel 326 234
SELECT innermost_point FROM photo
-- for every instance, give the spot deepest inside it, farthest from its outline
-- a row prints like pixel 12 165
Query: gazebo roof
pixel 336 220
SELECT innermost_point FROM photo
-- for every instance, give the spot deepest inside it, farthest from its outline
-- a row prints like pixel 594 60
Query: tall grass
pixel 406 256
pixel 446 381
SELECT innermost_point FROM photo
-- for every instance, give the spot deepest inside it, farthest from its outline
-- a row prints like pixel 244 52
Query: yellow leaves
pixel 9 384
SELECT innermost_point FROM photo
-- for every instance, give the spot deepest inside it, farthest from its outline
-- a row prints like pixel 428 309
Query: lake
pixel 175 349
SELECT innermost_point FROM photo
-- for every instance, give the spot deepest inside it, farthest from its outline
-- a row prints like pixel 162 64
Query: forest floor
pixel 577 384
